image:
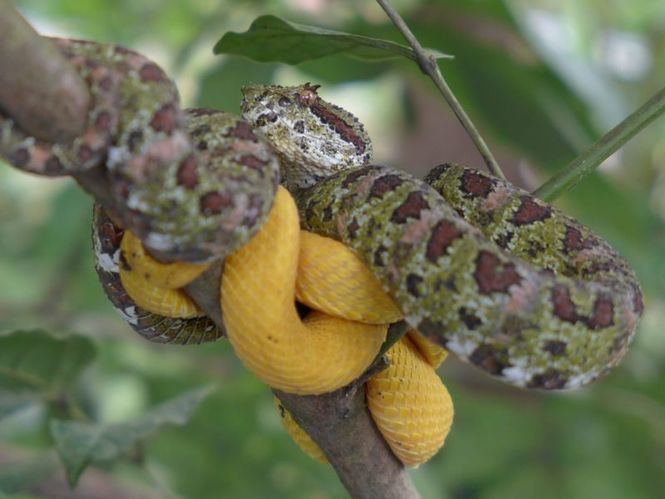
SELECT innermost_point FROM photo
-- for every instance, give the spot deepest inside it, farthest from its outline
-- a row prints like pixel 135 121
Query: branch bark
pixel 41 92
pixel 339 422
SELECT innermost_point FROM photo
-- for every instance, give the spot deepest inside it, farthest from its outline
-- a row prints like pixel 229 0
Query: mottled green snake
pixel 479 266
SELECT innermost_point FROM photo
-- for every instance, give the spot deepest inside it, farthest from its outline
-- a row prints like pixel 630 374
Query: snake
pixel 478 266
pixel 496 276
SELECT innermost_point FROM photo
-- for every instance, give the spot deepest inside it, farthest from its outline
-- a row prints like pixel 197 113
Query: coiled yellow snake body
pixel 323 351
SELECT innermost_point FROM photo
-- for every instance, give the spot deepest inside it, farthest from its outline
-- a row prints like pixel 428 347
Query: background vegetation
pixel 542 78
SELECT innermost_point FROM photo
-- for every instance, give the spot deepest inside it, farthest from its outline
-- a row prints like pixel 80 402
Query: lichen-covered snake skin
pixel 496 276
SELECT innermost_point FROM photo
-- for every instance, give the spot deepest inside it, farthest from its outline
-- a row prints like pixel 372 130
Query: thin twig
pixel 430 66
pixel 607 145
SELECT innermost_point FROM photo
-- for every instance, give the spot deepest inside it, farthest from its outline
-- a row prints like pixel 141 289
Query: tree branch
pixel 339 422
pixel 430 66
pixel 41 92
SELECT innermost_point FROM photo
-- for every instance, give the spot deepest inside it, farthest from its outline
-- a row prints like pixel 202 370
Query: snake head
pixel 314 138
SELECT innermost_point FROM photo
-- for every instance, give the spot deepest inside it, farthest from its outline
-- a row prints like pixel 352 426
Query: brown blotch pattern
pixel 530 211
pixel 494 276
pixel 564 308
pixel 476 185
pixel 251 161
pixel 489 359
pixel 165 119
pixel 603 313
pixel 341 127
pixel 414 203
pixel 213 203
pixel 443 235
pixel 243 131
pixel 353 176
pixel 383 185
pixel 601 317
pixel 549 380
pixel 188 175
pixel 151 72
pixel 573 240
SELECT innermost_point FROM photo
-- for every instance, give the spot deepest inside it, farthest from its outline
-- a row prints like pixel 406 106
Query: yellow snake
pixel 322 352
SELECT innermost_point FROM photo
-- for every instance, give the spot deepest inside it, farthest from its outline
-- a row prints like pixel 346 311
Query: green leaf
pixel 40 362
pixel 271 39
pixel 220 86
pixel 80 444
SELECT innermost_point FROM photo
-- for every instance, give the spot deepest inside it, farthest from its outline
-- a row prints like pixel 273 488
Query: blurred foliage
pixel 543 78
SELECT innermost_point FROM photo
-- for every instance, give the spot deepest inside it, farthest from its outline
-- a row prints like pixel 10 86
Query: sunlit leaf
pixel 80 444
pixel 271 39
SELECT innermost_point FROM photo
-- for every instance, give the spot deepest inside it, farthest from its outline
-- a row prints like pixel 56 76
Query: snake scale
pixel 486 270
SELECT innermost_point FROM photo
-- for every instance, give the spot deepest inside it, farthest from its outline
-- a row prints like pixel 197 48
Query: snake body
pixel 477 265
pixel 527 294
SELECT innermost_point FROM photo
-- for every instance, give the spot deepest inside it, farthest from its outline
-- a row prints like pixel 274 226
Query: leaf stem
pixel 608 144
pixel 429 65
